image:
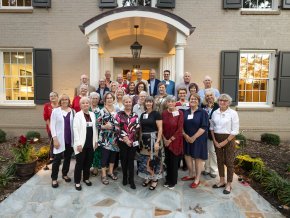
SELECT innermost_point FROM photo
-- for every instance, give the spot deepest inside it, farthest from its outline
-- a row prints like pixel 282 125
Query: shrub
pixel 273 182
pixel 6 176
pixel 43 152
pixel 32 134
pixel 2 136
pixel 241 137
pixel 271 139
pixel 247 162
pixel 284 194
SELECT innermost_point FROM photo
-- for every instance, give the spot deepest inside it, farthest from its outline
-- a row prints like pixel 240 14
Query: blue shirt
pixel 201 93
pixel 170 87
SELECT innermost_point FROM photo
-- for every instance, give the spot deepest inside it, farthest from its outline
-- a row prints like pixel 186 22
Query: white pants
pixel 210 165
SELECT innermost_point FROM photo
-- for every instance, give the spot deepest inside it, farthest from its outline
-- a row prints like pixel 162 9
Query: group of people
pixel 156 123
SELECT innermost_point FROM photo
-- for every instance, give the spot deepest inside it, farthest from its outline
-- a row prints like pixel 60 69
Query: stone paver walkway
pixel 36 198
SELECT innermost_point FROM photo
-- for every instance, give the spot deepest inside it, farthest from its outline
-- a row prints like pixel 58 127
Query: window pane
pixel 263 96
pixel 242 84
pixel 6 69
pixel 12 2
pixel 256 96
pixel 264 4
pixel 28 57
pixel 9 94
pixel 20 3
pixel 14 57
pixel 8 82
pixel 242 96
pixel 5 2
pixel 249 96
pixel 7 57
pixel 264 85
pixel 21 57
pixel 27 2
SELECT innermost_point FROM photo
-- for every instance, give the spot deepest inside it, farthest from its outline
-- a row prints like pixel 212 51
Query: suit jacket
pixel 155 91
pixel 101 103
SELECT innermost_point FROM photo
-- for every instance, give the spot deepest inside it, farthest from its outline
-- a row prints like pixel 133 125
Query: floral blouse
pixel 127 125
pixel 107 137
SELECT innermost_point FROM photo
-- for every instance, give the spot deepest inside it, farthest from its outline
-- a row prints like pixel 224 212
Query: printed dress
pixel 107 137
pixel 97 153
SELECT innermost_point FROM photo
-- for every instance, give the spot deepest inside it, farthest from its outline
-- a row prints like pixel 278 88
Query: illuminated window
pixel 255 79
pixel 17 76
pixel 258 4
pixel 16 3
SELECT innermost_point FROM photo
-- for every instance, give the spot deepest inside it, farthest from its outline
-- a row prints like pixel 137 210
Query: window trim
pixel 3 101
pixel 271 85
pixel 275 4
pixel 15 8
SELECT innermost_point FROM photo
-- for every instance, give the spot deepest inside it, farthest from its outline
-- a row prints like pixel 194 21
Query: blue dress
pixel 197 149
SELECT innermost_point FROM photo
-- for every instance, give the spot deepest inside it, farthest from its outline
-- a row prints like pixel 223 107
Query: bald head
pixel 207 82
pixel 120 78
pixel 84 79
pixel 152 74
pixel 186 77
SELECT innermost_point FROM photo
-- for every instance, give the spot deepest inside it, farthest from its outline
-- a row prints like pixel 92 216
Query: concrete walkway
pixel 36 198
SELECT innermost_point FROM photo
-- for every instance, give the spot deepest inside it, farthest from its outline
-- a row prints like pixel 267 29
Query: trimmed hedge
pixel 248 163
pixel 2 136
pixel 241 137
pixel 270 138
pixel 32 134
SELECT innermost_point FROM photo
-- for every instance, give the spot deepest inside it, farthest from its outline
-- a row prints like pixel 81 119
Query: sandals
pixel 54 185
pixel 105 180
pixel 153 187
pixel 219 186
pixel 112 176
pixel 146 183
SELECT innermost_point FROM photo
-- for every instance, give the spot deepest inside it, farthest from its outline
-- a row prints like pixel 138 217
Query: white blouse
pixel 226 122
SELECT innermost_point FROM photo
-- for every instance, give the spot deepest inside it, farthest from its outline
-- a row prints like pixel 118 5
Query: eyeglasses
pixel 223 100
pixel 166 74
pixel 53 96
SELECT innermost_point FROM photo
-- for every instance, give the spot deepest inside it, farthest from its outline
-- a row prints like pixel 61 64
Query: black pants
pixel 171 161
pixel 127 155
pixel 66 155
pixel 108 157
pixel 51 146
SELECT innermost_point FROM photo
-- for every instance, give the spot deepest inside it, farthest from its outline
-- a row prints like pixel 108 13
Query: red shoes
pixel 187 178
pixel 194 185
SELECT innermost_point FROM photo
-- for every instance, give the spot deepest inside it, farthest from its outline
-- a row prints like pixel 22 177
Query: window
pixel 16 4
pixel 126 3
pixel 16 71
pixel 256 77
pixel 258 4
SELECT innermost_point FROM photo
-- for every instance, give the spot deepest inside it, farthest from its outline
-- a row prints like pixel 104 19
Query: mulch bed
pixel 276 158
pixel 6 157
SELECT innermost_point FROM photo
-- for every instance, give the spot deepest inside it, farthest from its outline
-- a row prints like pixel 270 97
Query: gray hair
pixel 94 94
pixel 83 86
pixel 208 91
pixel 170 98
pixel 53 93
pixel 143 92
pixel 126 97
pixel 85 98
pixel 227 97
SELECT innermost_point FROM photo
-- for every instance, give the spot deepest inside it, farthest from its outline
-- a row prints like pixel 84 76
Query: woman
pixel 61 126
pixel 139 107
pixel 113 87
pixel 47 110
pixel 127 127
pixel 193 88
pixel 224 127
pixel 119 100
pixel 160 104
pixel 95 98
pixel 85 141
pixel 76 101
pixel 172 140
pixel 108 138
pixel 209 105
pixel 195 135
pixel 130 90
pixel 141 86
pixel 150 156
pixel 182 104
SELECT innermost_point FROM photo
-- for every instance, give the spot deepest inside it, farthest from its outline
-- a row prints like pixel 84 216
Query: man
pixel 207 85
pixel 102 90
pixel 170 85
pixel 153 83
pixel 128 78
pixel 120 81
pixel 139 79
pixel 108 78
pixel 185 83
pixel 84 80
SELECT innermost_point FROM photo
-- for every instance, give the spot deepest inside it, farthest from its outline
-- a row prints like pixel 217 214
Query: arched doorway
pixel 162 34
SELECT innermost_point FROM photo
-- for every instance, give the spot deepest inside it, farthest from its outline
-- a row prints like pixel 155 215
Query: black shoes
pixel 54 185
pixel 132 185
pixel 88 183
pixel 66 178
pixel 78 188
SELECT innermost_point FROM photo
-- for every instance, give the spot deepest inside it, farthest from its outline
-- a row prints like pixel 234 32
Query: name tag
pixel 167 82
pixel 175 113
pixel 187 104
pixel 145 116
pixel 89 124
pixel 136 143
pixel 190 116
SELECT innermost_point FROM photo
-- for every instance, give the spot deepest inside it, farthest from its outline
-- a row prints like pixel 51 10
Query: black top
pixel 149 124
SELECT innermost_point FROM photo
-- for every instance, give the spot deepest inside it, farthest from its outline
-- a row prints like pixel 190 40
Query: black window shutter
pixel 41 3
pixel 230 65
pixel 108 4
pixel 165 4
pixel 283 80
pixel 42 69
pixel 286 4
pixel 233 4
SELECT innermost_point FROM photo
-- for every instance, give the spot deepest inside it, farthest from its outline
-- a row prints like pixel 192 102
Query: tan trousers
pixel 225 156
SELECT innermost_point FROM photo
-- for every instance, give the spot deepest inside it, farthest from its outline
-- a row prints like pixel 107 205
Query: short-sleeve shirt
pixel 149 124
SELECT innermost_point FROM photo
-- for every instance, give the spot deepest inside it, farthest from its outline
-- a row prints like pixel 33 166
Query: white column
pixel 94 65
pixel 179 62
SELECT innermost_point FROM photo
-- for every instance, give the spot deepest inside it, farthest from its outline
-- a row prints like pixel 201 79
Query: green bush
pixel 32 134
pixel 241 137
pixel 247 162
pixel 43 152
pixel 284 194
pixel 6 175
pixel 271 139
pixel 2 136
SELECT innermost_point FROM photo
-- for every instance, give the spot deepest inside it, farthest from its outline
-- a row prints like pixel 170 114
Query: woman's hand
pixel 191 139
pixel 156 146
pixel 186 137
pixel 166 142
pixel 55 143
pixel 80 148
pixel 96 145
pixel 108 126
pixel 127 141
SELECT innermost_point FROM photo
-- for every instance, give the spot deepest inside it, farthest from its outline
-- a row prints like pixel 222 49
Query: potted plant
pixel 24 156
